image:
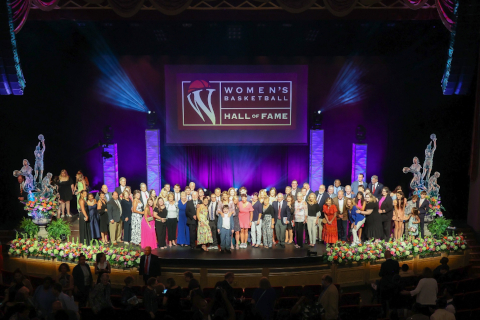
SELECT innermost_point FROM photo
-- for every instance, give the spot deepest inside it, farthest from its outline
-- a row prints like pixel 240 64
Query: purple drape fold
pixel 46 5
pixel 415 4
pixel 445 10
pixel 20 10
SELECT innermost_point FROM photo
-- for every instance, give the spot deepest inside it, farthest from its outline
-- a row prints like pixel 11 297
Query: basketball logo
pixel 195 91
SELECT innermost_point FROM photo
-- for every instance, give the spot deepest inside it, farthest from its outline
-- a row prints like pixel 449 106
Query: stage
pixel 177 256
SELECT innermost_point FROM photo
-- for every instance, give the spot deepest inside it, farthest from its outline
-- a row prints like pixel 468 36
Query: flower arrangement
pixel 42 207
pixel 122 257
pixel 401 249
pixel 435 207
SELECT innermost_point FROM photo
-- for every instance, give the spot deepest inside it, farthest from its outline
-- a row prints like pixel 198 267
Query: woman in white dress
pixel 137 215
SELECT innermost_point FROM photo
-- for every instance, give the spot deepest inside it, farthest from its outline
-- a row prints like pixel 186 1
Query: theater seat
pixel 465 314
pixel 292 291
pixel 349 299
pixel 315 288
pixel 116 300
pixel 238 292
pixel 7 277
pixel 286 303
pixel 278 291
pixel 248 292
pixel 349 312
pixel 371 311
pixel 208 292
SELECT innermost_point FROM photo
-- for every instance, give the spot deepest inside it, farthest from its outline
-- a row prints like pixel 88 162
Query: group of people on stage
pixel 231 219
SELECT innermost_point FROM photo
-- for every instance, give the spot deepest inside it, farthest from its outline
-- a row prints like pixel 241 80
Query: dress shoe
pixel 283 246
pixel 228 251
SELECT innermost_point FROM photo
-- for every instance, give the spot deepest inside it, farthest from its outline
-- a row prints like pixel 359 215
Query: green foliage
pixel 29 227
pixel 438 227
pixel 58 227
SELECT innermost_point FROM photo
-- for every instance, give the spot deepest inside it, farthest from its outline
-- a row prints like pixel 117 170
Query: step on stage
pixel 177 256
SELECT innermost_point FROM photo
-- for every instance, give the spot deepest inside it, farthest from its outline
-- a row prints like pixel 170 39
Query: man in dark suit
pixel 322 196
pixel 282 212
pixel 213 219
pixel 114 211
pixel 108 195
pixel 149 265
pixel 376 187
pixel 82 283
pixel 386 211
pixel 422 205
pixel 191 212
pixel 121 187
pixel 306 185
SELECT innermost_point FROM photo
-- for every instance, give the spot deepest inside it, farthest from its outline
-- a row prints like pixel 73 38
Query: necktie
pixel 211 212
pixel 146 265
pixel 279 210
pixel 374 188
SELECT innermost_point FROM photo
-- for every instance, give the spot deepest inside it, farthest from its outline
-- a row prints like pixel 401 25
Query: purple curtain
pixel 45 5
pixel 254 167
pixel 445 10
pixel 414 4
pixel 20 10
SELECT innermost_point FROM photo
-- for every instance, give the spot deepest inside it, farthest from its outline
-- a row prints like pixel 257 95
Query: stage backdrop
pixel 236 104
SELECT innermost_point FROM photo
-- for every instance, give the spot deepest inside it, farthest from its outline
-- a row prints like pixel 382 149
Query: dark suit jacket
pixel 285 211
pixel 378 189
pixel 154 269
pixel 322 200
pixel 126 209
pixel 294 194
pixel 79 279
pixel 215 208
pixel 109 196
pixel 191 211
pixel 21 193
pixel 113 210
pixel 424 208
pixel 119 191
pixel 387 205
pixel 388 269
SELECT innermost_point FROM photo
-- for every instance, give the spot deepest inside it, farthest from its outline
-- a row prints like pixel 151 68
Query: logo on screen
pixel 196 90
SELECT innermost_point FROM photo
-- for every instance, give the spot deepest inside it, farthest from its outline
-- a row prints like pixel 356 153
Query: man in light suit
pixel 213 220
pixel 295 189
pixel 422 205
pixel 322 196
pixel 108 195
pixel 114 211
pixel 282 212
pixel 144 194
pixel 342 215
pixel 376 187
pixel 121 187
pixel 359 182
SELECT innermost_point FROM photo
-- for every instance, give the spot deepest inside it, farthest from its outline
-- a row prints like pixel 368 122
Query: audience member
pixel 171 299
pixel 65 280
pixel 82 280
pixel 329 298
pixel 59 313
pixel 405 271
pixel 150 297
pixel 442 269
pixel 448 294
pixel 226 285
pixel 307 308
pixel 19 281
pixel 129 298
pixel 440 312
pixel 100 295
pixel 149 265
pixel 193 284
pixel 102 265
pixel 67 302
pixel 426 292
pixel 44 297
pixel 264 299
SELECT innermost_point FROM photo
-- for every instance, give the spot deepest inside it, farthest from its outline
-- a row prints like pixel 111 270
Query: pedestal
pixel 42 232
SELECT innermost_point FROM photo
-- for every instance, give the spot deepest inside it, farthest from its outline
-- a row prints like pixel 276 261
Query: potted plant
pixel 41 210
pixel 59 229
pixel 438 227
pixel 29 227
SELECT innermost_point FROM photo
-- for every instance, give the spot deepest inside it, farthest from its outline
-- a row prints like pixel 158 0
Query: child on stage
pixel 225 228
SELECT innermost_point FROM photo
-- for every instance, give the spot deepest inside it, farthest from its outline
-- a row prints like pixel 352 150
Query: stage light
pixel 312 35
pixel 360 132
pixel 114 86
pixel 152 119
pixel 108 134
pixel 347 88
pixel 234 32
pixel 319 111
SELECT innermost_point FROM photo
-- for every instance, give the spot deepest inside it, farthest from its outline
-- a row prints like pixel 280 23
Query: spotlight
pixel 152 119
pixel 106 155
pixel 108 134
pixel 317 120
pixel 360 133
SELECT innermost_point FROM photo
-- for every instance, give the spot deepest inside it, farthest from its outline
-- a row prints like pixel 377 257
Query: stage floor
pixel 258 257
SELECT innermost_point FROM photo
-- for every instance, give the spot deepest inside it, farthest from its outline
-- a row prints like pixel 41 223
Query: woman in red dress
pixel 330 232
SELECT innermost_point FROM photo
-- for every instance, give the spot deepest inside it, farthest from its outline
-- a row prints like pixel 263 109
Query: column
pixel 154 173
pixel 315 176
pixel 359 160
pixel 110 167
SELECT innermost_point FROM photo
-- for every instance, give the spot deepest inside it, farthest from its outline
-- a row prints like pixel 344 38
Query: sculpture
pixel 26 171
pixel 422 180
pixel 39 158
pixel 427 165
pixel 47 189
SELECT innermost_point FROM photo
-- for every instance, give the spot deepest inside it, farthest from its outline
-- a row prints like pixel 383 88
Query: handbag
pixel 150 219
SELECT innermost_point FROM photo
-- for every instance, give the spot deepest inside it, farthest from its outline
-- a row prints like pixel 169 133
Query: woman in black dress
pixel 373 222
pixel 84 222
pixel 65 189
pixel 102 211
pixel 160 214
pixel 126 217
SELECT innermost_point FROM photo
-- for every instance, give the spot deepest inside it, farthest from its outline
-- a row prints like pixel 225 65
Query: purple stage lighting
pixel 316 159
pixel 110 166
pixel 359 160
pixel 154 177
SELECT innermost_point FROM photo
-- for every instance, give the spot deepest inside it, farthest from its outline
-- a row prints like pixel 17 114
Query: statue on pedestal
pixel 427 165
pixel 39 158
pixel 26 172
